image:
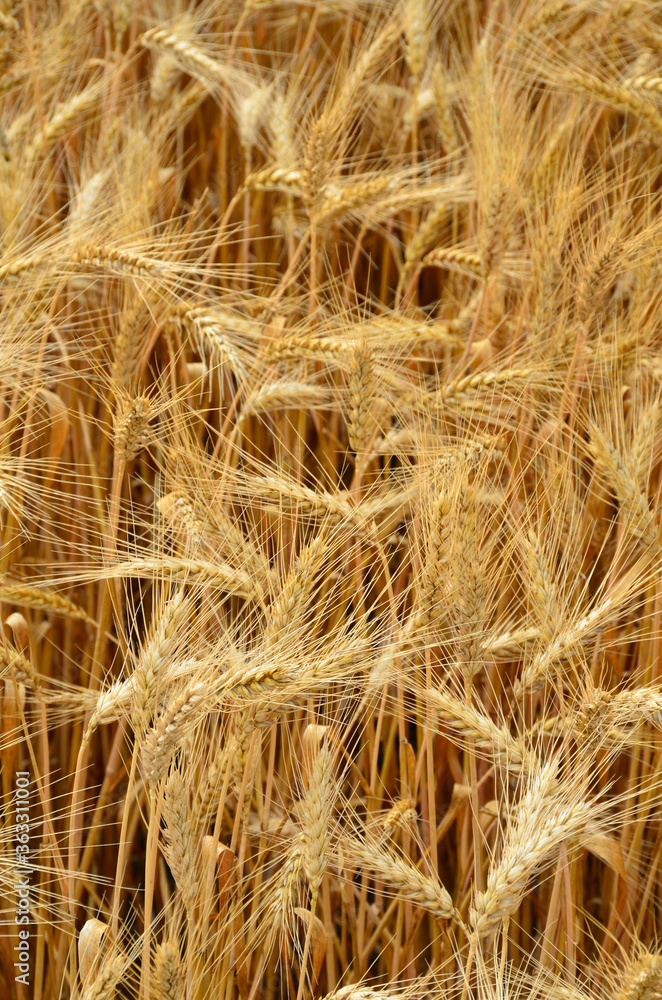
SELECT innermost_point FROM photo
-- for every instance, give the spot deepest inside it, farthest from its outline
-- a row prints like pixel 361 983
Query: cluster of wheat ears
pixel 330 480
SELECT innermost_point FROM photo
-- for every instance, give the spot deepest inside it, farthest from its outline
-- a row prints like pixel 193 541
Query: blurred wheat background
pixel 330 472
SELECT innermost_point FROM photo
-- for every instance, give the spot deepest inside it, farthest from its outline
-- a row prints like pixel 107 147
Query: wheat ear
pixel 399 873
pixel 179 846
pixel 315 816
pixel 546 816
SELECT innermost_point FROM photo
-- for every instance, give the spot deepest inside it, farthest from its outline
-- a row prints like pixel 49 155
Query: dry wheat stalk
pixel 329 351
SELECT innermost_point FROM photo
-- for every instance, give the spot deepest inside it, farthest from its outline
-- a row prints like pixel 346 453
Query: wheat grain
pixel 330 497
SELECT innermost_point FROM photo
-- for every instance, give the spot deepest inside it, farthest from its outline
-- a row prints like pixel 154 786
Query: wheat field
pixel 330 489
